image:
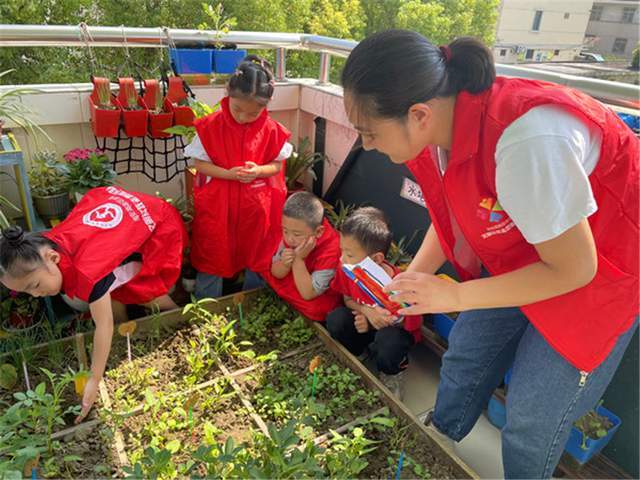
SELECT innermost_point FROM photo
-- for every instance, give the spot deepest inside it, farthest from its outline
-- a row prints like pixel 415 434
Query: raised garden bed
pixel 231 380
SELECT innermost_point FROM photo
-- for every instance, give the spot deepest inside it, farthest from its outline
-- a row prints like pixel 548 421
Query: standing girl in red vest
pixel 240 190
pixel 536 186
pixel 115 248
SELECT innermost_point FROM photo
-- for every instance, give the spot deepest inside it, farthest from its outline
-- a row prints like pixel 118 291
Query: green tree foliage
pixel 439 20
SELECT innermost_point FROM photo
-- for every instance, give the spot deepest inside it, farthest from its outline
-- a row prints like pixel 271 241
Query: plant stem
pixel 313 385
pixel 241 315
pixel 129 347
pixel 26 374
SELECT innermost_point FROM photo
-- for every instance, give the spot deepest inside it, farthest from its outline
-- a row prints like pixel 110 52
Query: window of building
pixel 556 52
pixel 503 52
pixel 567 15
pixel 596 13
pixel 627 14
pixel 537 19
pixel 619 46
pixel 529 54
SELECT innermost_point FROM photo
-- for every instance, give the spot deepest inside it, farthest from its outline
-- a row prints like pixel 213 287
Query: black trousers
pixel 389 345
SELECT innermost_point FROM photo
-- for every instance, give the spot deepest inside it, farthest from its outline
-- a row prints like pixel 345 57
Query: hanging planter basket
pixel 105 122
pixel 135 120
pixel 158 121
pixel 226 61
pixel 182 114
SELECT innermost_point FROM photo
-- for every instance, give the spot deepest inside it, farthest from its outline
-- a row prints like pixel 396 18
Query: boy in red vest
pixel 306 259
pixel 360 324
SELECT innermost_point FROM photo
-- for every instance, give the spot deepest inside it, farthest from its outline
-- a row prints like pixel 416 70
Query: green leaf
pixel 173 446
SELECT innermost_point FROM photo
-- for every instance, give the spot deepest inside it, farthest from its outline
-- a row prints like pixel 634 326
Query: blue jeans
pixel 210 286
pixel 545 394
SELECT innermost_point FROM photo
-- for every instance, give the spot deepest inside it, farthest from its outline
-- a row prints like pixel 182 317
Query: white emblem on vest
pixel 106 216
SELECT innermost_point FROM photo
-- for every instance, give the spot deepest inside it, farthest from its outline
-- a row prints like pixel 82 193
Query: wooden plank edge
pixel 459 466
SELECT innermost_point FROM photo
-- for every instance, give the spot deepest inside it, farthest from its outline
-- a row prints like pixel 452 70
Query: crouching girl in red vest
pixel 114 247
pixel 536 186
pixel 240 190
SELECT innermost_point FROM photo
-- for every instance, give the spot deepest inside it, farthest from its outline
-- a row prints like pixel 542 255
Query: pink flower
pixel 13 294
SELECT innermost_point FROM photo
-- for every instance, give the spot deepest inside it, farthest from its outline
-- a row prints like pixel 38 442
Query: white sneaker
pixel 445 441
pixel 395 383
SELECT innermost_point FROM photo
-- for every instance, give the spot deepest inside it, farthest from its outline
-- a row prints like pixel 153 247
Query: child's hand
pixel 235 173
pixel 360 322
pixel 305 248
pixel 88 398
pixel 379 317
pixel 288 256
pixel 249 173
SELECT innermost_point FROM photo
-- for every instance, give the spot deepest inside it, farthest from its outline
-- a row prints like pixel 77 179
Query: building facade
pixel 540 30
pixel 613 27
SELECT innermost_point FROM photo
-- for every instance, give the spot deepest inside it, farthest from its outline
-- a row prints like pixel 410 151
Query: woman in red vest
pixel 115 248
pixel 239 153
pixel 536 186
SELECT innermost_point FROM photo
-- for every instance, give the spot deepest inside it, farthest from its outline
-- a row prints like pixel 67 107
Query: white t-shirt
pixel 196 150
pixel 543 161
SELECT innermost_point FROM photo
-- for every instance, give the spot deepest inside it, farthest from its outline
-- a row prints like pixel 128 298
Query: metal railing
pixel 614 93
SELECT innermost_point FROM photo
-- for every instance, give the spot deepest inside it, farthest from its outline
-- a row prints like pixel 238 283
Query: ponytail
pixel 390 71
pixel 20 251
pixel 252 79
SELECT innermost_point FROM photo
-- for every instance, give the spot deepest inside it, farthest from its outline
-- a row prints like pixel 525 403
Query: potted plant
pixel 224 60
pixel 104 110
pixel 179 103
pixel 160 114
pixel 591 433
pixel 11 108
pixel 19 311
pixel 134 111
pixel 299 163
pixel 88 168
pixel 49 182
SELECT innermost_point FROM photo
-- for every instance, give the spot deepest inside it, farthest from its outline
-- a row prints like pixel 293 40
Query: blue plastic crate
pixel 442 324
pixel 594 446
pixel 189 60
pixel 497 413
pixel 226 61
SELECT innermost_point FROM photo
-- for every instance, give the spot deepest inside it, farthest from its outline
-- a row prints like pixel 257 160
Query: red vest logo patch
pixel 490 210
pixel 106 216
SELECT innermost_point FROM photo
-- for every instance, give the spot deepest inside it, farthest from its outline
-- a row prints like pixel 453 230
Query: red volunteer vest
pixel 107 226
pixel 235 224
pixel 582 325
pixel 325 256
pixel 344 286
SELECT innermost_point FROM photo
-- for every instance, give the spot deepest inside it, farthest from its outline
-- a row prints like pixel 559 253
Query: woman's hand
pixel 424 293
pixel 88 398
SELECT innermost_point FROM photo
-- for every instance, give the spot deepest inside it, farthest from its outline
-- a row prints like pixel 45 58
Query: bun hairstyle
pixel 253 79
pixel 388 72
pixel 20 251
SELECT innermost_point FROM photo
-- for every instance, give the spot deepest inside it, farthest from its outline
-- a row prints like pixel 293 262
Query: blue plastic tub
pixel 497 413
pixel 442 324
pixel 594 446
pixel 226 61
pixel 189 60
